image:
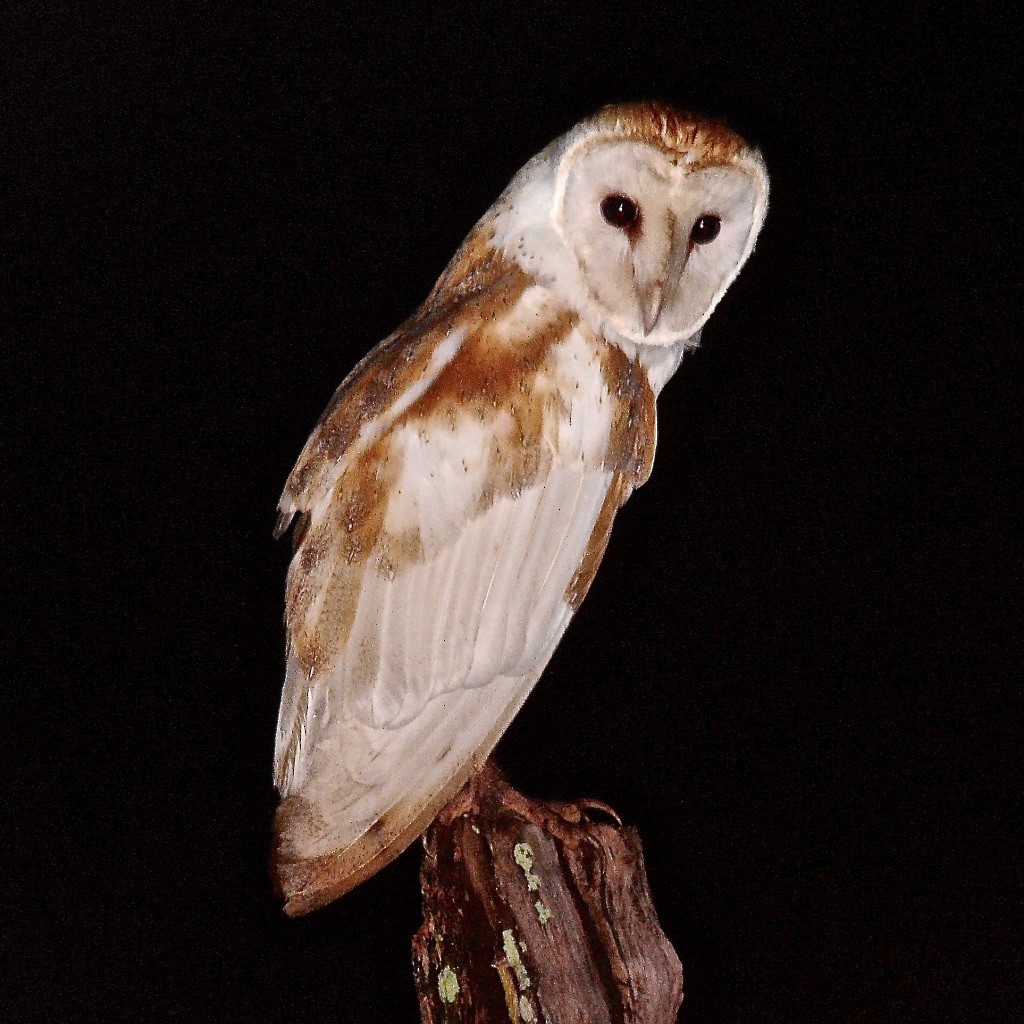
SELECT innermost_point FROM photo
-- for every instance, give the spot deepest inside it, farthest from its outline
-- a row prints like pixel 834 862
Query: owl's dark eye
pixel 705 229
pixel 619 211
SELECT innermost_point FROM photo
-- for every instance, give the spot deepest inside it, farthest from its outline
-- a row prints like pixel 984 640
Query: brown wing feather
pixel 389 369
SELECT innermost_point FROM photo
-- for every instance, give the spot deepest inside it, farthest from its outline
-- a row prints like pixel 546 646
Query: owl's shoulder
pixel 478 285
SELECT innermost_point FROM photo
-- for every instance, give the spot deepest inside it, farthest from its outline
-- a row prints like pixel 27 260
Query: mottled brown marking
pixel 489 376
pixel 630 456
pixel 632 435
pixel 486 376
pixel 331 549
pixel 393 365
pixel 701 140
pixel 330 560
pixel 365 393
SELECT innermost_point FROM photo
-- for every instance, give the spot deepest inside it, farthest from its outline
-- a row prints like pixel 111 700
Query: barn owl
pixel 455 499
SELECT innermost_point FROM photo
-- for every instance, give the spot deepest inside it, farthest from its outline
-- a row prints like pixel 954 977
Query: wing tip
pixel 308 883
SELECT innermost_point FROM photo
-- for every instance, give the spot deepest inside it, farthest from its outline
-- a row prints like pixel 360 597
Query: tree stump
pixel 538 912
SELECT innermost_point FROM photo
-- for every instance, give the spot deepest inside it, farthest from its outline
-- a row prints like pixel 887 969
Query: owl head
pixel 639 218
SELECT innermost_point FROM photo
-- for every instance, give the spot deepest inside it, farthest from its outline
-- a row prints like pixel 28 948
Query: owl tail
pixel 308 883
pixel 323 845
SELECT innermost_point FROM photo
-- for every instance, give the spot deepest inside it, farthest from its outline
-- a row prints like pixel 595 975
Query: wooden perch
pixel 538 912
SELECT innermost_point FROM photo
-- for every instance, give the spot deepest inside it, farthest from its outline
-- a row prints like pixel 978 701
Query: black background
pixel 793 671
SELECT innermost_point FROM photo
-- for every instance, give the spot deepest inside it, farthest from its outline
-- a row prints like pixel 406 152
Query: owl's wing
pixel 445 548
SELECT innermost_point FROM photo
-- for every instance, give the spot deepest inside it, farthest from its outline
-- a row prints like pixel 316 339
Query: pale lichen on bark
pixel 546 911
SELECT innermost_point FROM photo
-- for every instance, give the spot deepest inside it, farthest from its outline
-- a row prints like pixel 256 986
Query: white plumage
pixel 456 498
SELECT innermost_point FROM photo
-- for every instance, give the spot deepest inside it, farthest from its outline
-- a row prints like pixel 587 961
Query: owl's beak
pixel 651 295
pixel 652 298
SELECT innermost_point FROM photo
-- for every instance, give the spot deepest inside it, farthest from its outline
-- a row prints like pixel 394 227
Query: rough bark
pixel 538 912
